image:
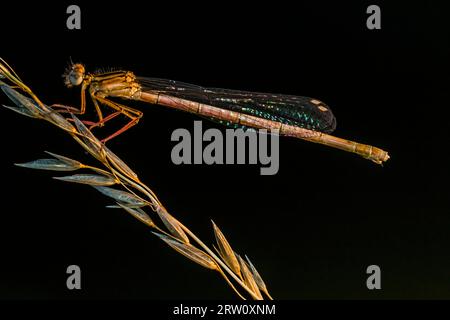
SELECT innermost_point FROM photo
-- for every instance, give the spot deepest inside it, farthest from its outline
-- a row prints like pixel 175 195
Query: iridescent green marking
pixel 304 120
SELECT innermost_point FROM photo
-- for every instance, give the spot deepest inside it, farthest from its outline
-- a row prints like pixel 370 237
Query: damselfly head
pixel 74 75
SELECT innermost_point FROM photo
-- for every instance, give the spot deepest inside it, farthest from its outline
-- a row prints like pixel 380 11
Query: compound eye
pixel 75 78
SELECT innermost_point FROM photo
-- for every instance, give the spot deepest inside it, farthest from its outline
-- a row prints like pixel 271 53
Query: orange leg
pixel 133 114
pixel 97 108
pixel 82 110
pixel 68 109
pixel 102 122
pixel 72 110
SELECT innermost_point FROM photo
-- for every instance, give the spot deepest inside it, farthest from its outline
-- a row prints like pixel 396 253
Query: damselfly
pixel 296 116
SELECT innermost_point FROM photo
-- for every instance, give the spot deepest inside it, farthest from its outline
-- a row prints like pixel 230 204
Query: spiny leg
pixel 133 114
pixel 102 122
pixel 82 110
pixel 74 110
pixel 97 109
pixel 65 109
pixel 71 110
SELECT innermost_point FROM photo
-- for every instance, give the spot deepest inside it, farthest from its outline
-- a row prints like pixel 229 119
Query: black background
pixel 312 229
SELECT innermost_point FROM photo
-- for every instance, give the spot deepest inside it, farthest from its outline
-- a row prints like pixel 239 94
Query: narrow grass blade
pixel 58 120
pixel 172 224
pixel 138 213
pixel 7 71
pixel 92 151
pixel 69 161
pixel 23 101
pixel 116 206
pixel 21 110
pixel 121 196
pixel 259 281
pixel 119 164
pixel 190 252
pixel 248 278
pixel 48 164
pixel 90 179
pixel 25 105
pixel 225 250
pixel 94 145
